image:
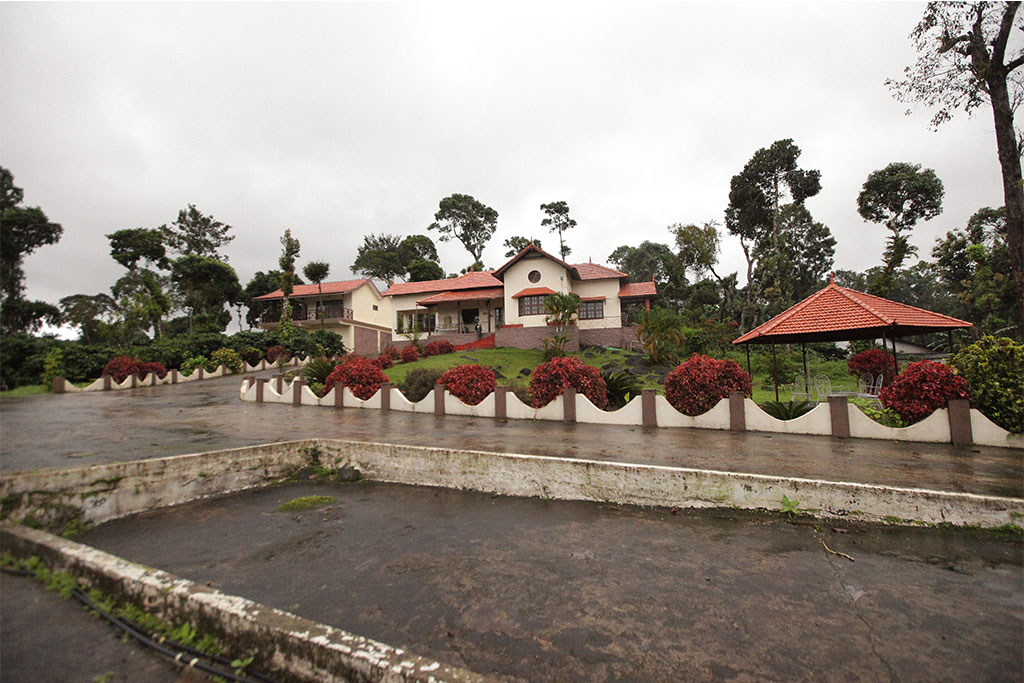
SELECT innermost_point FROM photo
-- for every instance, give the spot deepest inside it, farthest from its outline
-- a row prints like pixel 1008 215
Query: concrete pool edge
pixel 281 641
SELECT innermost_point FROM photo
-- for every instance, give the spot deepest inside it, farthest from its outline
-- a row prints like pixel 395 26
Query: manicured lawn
pixel 36 389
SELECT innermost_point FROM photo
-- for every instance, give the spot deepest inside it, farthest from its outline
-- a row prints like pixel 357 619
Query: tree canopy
pixel 462 217
pixel 558 220
pixel 131 245
pixel 388 257
pixel 206 285
pixel 516 243
pixel 194 233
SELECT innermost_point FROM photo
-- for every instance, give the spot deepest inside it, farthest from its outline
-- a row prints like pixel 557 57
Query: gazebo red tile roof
pixel 837 313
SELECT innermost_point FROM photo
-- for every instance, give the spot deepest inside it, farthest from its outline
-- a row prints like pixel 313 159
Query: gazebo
pixel 838 314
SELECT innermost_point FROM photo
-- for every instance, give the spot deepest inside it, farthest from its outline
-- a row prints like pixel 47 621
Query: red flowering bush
pixel 469 383
pixel 444 346
pixel 549 379
pixel 393 352
pixel 410 354
pixel 276 352
pixel 120 367
pixel 359 374
pixel 383 361
pixel 431 349
pixel 158 368
pixel 921 389
pixel 872 362
pixel 696 386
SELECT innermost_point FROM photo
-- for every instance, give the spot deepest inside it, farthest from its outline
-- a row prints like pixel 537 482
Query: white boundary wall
pixel 151 380
pixel 934 429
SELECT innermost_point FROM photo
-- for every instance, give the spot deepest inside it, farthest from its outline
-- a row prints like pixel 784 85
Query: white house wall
pixel 516 279
pixel 609 289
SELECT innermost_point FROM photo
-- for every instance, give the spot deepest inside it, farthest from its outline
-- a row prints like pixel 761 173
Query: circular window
pixel 534 276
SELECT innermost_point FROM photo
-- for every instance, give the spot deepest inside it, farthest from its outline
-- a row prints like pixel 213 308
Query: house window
pixel 592 310
pixel 532 305
pixel 534 276
pixel 375 307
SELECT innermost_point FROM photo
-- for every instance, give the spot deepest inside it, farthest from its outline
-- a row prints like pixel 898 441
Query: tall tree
pixel 965 60
pixel 899 196
pixel 388 257
pixel 757 195
pixel 652 261
pixel 558 220
pixel 22 231
pixel 131 245
pixel 260 284
pixel 516 243
pixel 794 270
pixel 142 304
pixel 317 272
pixel 194 233
pixel 462 217
pixel 697 247
pixel 418 257
pixel 206 285
pixel 87 312
pixel 289 252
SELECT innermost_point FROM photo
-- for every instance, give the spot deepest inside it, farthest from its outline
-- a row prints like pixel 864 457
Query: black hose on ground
pixel 168 648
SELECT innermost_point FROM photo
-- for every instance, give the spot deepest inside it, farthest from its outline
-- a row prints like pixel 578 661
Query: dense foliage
pixel 227 357
pixel 383 361
pixel 361 376
pixel 468 383
pixel 549 379
pixel 621 387
pixel 994 371
pixel 419 382
pixel 921 389
pixel 873 362
pixel 697 385
pixel 120 368
pixel 410 354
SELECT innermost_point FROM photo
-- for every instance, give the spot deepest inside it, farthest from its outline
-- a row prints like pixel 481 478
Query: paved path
pixel 558 591
pixel 73 430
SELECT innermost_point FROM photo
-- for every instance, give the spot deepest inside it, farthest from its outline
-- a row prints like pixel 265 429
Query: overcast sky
pixel 341 119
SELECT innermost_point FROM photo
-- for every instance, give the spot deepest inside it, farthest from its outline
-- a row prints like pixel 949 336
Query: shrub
pixel 469 383
pixel 873 362
pixel 419 382
pixel 444 346
pixel 323 342
pixel 229 358
pixel 158 368
pixel 431 349
pixel 316 370
pixel 994 371
pixel 383 361
pixel 410 354
pixel 522 392
pixel 787 410
pixel 549 379
pixel 277 352
pixel 251 355
pixel 361 376
pixel 393 352
pixel 192 364
pixel 697 385
pixel 921 389
pixel 120 367
pixel 52 364
pixel 622 386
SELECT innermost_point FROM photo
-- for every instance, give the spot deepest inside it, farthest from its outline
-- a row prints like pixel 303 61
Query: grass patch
pixel 36 389
pixel 304 503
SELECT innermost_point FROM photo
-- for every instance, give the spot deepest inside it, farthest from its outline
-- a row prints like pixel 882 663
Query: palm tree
pixel 661 333
pixel 562 309
pixel 316 271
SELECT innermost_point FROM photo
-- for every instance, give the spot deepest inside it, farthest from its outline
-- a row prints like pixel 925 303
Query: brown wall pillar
pixel 439 390
pixel 174 376
pixel 57 386
pixel 501 403
pixel 260 383
pixel 649 407
pixel 569 404
pixel 385 395
pixel 152 379
pixel 135 379
pixel 202 372
pixel 297 392
pixel 737 412
pixel 839 410
pixel 339 395
pixel 960 431
pixel 279 384
pixel 107 383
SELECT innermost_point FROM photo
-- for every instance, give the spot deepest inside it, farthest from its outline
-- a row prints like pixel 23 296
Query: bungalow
pixel 353 309
pixel 509 302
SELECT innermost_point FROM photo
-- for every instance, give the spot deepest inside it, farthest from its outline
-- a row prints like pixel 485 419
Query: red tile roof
pixel 311 290
pixel 836 313
pixel 464 295
pixel 533 291
pixel 594 271
pixel 532 248
pixel 472 280
pixel 637 289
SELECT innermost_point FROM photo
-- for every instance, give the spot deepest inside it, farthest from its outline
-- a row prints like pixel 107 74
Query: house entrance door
pixel 469 318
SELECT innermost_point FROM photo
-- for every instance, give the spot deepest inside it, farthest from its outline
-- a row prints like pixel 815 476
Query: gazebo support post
pixel 895 363
pixel 775 373
pixel 807 388
pixel 949 336
pixel 747 346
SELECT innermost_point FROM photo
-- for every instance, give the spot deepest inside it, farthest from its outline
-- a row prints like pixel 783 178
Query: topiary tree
pixel 469 383
pixel 146 368
pixel 277 352
pixel 360 375
pixel 549 379
pixel 120 367
pixel 410 354
pixel 994 371
pixel 383 361
pixel 921 389
pixel 431 349
pixel 444 346
pixel 696 386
